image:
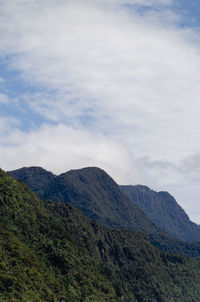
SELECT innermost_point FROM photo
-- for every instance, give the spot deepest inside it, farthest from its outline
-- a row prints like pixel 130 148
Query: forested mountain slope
pixel 98 196
pixel 91 190
pixel 50 251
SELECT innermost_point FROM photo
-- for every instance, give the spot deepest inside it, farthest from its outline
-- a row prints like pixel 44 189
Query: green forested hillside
pixel 39 259
pixel 92 191
pixel 98 196
pixel 49 251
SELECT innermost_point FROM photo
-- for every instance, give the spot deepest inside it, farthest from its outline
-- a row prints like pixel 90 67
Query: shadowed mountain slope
pixel 91 190
pixel 96 194
pixel 50 251
pixel 164 211
pixel 38 177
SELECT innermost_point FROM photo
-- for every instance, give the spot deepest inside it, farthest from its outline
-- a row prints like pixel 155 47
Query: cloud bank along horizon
pixel 113 84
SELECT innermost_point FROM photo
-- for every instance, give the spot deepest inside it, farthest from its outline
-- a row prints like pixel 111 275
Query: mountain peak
pixel 34 175
pixel 70 258
pixel 33 169
pixel 92 191
pixel 99 197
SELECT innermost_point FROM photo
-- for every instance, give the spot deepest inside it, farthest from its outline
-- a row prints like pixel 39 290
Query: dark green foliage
pixel 50 250
pixel 164 211
pixel 36 176
pixel 39 259
pixel 92 191
pixel 96 194
pixel 133 263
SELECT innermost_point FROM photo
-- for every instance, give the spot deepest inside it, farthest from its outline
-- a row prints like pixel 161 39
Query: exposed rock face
pixel 164 211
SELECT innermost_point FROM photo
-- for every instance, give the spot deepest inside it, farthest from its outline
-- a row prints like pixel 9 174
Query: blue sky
pixel 191 9
pixel 113 84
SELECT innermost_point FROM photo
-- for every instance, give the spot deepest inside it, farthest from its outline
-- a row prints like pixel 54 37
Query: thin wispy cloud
pixel 4 99
pixel 114 84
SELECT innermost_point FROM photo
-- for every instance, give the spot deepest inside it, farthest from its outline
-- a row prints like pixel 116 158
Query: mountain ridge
pixel 162 208
pixel 91 190
pixel 96 194
pixel 50 252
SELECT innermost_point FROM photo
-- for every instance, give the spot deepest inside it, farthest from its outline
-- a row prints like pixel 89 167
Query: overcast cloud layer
pixel 113 84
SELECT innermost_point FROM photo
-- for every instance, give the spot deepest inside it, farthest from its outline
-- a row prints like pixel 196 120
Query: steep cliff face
pixel 164 211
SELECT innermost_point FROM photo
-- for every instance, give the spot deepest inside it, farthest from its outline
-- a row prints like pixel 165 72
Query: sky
pixel 111 83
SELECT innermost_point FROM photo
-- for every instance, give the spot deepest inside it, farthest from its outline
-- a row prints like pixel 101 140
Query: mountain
pixel 164 211
pixel 92 191
pixel 97 195
pixel 38 178
pixel 39 258
pixel 51 252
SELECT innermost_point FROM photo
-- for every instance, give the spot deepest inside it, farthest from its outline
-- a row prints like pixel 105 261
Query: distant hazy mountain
pixel 164 211
pixel 96 194
pixel 50 252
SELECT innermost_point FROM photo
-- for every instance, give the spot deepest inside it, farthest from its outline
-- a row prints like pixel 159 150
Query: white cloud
pixel 145 3
pixel 124 87
pixel 60 148
pixel 7 125
pixel 150 2
pixel 4 99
